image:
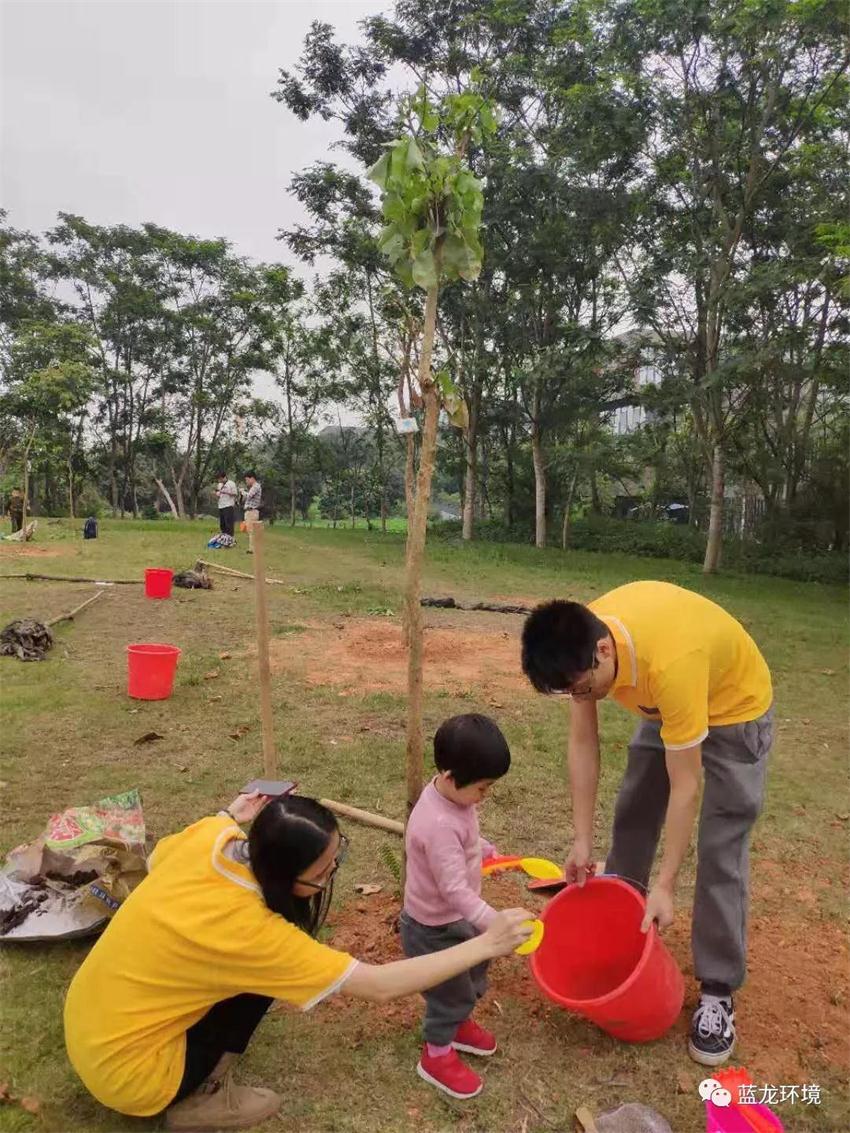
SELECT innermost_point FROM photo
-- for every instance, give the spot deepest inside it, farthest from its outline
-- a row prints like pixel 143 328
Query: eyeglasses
pixel 583 691
pixel 341 855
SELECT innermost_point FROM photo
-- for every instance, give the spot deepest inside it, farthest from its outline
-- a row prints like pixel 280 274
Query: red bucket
pixel 158 582
pixel 150 671
pixel 595 961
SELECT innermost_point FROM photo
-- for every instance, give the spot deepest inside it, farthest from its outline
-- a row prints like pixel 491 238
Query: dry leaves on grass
pixel 28 1104
pixel 224 656
pixel 212 675
pixel 240 731
pixel 148 738
pixel 366 890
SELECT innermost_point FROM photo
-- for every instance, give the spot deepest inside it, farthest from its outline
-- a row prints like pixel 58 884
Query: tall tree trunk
pixel 714 546
pixel 71 489
pixel 409 481
pixel 565 530
pixel 178 492
pixel 595 499
pixel 292 494
pixel 26 485
pixel 470 438
pixel 352 506
pixel 539 478
pixel 167 497
pixel 417 531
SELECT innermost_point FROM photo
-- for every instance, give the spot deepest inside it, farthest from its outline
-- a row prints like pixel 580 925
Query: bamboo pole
pixel 236 573
pixel 262 611
pixel 69 617
pixel 30 577
pixel 364 816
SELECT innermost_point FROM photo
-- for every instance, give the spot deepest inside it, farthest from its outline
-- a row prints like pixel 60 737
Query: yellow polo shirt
pixel 195 931
pixel 682 660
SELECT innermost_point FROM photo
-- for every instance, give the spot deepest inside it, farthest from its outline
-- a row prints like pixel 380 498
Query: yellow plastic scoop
pixel 538 868
pixel 533 942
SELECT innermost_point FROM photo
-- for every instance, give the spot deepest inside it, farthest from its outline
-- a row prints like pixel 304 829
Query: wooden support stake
pixel 262 610
pixel 364 816
pixel 69 617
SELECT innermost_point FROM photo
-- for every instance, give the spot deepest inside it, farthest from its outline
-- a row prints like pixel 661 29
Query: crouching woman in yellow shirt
pixel 174 989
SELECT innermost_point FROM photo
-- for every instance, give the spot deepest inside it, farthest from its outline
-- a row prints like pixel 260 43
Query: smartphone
pixel 272 787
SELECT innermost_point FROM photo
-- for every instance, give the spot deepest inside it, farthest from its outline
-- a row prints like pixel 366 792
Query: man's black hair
pixel 471 747
pixel 250 473
pixel 559 641
pixel 222 474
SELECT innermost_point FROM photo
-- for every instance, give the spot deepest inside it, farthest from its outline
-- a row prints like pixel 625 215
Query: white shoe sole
pixel 474 1050
pixel 705 1059
pixel 426 1077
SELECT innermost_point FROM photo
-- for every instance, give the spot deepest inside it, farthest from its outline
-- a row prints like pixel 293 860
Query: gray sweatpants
pixel 734 760
pixel 451 1003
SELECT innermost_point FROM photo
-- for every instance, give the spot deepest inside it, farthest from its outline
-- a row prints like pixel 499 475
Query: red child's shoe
pixel 473 1039
pixel 449 1074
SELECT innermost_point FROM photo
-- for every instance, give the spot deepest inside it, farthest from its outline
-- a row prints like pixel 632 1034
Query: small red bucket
pixel 595 961
pixel 158 582
pixel 150 671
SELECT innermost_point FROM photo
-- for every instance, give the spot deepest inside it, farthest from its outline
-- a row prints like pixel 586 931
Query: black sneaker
pixel 712 1030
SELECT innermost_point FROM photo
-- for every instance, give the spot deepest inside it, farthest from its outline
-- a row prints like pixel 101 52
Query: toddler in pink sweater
pixel 442 893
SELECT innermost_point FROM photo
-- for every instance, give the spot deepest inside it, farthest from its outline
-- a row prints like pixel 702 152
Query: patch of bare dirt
pixel 791 1012
pixel 362 655
pixel 26 551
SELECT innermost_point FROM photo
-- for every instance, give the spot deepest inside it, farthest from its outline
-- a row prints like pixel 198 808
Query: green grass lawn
pixel 68 730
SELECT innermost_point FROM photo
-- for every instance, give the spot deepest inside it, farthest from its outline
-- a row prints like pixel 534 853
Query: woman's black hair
pixel 472 748
pixel 286 838
pixel 559 643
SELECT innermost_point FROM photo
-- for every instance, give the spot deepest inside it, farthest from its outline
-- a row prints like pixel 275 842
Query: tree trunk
pixel 471 452
pixel 166 497
pixel 409 479
pixel 178 493
pixel 714 545
pixel 539 485
pixel 417 531
pixel 26 485
pixel 292 495
pixel 565 530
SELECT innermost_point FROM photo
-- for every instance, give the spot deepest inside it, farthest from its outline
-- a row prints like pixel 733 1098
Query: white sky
pixel 125 111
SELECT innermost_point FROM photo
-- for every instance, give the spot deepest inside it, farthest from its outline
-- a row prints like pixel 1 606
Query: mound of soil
pixel 362 655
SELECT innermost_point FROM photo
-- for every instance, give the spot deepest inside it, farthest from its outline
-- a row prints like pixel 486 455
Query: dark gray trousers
pixel 451 1003
pixel 734 759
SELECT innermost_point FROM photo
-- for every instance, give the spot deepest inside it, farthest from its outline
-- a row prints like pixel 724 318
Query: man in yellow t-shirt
pixel 702 692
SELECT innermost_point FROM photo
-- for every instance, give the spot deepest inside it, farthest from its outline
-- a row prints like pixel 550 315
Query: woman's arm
pixel 382 982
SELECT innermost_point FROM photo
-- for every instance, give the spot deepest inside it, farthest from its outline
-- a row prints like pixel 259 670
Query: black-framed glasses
pixel 339 859
pixel 582 691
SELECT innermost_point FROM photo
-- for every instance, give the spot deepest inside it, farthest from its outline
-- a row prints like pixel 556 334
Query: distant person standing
pixel 15 509
pixel 226 492
pixel 252 505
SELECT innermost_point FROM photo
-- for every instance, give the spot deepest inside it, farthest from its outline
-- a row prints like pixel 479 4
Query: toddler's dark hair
pixel 471 747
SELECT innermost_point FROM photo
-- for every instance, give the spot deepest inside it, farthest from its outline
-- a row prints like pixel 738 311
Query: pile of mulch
pixel 26 639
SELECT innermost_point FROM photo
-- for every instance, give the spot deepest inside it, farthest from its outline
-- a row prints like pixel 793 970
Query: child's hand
pixel 507 930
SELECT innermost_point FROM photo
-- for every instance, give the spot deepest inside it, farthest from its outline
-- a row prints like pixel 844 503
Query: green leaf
pixel 414 155
pixel 380 171
pixel 424 270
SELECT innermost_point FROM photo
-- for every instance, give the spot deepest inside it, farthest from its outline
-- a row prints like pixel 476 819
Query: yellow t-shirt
pixel 195 931
pixel 682 660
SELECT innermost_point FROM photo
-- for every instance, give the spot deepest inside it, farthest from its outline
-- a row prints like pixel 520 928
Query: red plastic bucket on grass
pixel 150 671
pixel 595 961
pixel 158 582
